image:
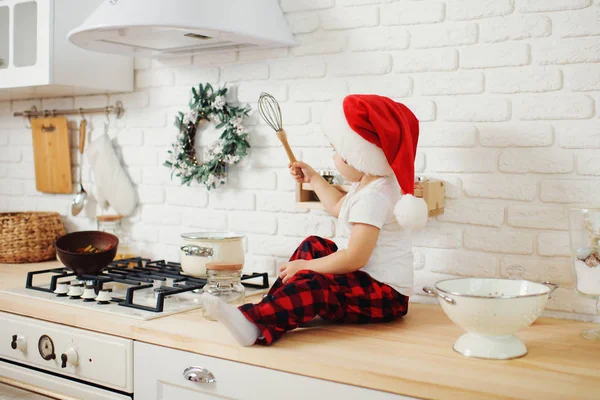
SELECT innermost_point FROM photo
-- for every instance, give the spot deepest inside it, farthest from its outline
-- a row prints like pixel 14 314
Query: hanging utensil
pixel 270 111
pixel 80 196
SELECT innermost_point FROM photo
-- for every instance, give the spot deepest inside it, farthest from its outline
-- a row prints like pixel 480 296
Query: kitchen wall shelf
pixel 430 190
pixel 39 61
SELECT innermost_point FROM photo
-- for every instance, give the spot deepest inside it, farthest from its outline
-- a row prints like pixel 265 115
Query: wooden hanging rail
pixel 33 112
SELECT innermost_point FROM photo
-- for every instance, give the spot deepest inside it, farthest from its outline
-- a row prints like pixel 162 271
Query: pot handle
pixel 553 287
pixel 432 291
pixel 196 251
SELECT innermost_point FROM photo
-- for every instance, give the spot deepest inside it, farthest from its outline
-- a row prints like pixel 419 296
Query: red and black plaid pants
pixel 348 298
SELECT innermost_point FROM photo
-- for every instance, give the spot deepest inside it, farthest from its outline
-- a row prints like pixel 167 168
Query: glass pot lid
pixel 212 235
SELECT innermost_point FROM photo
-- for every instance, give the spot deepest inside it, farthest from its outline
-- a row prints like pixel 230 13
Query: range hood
pixel 159 28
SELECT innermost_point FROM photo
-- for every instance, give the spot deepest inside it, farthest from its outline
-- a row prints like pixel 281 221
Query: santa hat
pixel 378 136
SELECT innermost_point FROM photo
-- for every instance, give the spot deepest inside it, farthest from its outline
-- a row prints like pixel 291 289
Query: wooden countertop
pixel 412 356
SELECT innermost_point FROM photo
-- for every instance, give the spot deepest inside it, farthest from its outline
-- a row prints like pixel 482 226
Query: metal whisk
pixel 269 110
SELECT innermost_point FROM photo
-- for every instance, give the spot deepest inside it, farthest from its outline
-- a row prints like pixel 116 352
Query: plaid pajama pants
pixel 347 298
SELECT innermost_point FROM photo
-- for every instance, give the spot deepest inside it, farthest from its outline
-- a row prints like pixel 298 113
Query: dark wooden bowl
pixel 86 263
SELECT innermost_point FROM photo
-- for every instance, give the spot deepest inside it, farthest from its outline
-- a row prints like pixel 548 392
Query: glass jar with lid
pixel 224 282
pixel 584 235
pixel 112 224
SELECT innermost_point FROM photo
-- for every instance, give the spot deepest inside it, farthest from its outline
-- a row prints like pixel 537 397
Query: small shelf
pixel 432 191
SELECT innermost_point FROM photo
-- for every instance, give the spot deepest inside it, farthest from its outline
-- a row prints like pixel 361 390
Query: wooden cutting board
pixel 52 155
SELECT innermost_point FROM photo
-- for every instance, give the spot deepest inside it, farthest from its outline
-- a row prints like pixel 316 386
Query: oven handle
pixel 34 389
pixel 199 375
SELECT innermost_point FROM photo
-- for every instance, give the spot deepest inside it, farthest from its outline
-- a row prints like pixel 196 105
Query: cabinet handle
pixel 199 375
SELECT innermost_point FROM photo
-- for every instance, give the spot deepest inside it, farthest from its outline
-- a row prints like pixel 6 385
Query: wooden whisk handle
pixel 283 139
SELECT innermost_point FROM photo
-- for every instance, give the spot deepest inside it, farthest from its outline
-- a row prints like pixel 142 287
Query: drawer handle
pixel 199 375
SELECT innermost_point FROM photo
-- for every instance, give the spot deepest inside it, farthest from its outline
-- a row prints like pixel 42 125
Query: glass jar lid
pixel 212 235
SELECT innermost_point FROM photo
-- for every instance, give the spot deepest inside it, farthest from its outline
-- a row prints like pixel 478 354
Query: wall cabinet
pixel 159 375
pixel 39 61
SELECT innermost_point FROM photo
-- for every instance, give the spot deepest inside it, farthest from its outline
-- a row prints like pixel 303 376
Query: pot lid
pixel 212 235
pixel 176 28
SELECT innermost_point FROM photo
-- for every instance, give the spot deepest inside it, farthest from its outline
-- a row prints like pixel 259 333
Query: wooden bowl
pixel 86 263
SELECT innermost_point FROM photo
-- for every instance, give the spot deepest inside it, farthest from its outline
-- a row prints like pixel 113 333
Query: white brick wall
pixel 515 28
pixel 508 80
pixel 495 55
pixel 493 241
pixel 507 91
pixel 475 9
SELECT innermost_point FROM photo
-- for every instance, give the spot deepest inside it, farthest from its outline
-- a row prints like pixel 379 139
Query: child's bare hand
pixel 289 269
pixel 301 171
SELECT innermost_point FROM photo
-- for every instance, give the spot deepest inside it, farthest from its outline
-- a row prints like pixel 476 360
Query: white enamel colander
pixel 491 311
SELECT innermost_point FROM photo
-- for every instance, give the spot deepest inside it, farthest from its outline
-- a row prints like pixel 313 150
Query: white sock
pixel 244 331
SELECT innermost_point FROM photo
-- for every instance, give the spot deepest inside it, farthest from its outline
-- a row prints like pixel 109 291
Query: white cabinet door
pixel 39 61
pixel 158 375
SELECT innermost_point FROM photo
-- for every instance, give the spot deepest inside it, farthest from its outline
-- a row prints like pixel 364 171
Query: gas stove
pixel 138 288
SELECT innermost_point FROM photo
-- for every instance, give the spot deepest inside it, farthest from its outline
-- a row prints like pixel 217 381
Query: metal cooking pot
pixel 201 248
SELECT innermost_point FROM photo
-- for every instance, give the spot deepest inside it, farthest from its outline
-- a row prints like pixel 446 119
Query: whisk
pixel 269 110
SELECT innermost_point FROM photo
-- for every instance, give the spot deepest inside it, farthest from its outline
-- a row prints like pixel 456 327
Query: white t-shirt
pixel 392 258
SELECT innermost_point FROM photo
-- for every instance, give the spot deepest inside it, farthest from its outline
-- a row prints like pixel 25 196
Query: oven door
pixel 52 385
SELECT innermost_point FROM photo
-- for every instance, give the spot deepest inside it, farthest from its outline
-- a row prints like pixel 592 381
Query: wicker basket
pixel 29 236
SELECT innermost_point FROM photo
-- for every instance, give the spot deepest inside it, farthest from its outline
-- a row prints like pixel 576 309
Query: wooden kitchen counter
pixel 412 356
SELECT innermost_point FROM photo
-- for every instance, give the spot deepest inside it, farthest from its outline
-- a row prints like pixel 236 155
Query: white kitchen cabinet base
pixel 233 380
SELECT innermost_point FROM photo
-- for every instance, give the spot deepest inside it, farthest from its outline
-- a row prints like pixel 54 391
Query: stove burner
pixel 161 278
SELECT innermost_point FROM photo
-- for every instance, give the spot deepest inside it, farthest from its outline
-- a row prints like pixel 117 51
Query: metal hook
pixel 27 114
pixel 81 113
pixel 28 119
pixel 107 123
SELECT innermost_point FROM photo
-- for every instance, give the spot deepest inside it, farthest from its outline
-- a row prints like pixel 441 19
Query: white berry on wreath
pixel 208 105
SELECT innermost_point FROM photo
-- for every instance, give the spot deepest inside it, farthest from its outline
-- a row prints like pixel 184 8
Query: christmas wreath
pixel 208 104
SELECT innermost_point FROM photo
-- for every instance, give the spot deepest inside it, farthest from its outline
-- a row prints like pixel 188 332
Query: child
pixel 375 141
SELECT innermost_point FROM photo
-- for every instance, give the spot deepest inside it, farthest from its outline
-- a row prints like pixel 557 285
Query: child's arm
pixel 363 239
pixel 330 197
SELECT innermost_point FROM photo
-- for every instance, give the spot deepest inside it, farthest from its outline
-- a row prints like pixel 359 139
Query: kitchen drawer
pixel 158 374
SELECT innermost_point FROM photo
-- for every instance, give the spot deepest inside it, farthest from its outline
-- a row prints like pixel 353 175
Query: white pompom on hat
pixel 379 136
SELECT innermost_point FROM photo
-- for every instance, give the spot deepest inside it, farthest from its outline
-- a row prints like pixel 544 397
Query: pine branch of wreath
pixel 208 104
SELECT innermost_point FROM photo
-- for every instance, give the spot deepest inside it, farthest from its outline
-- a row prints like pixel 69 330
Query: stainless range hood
pixel 161 28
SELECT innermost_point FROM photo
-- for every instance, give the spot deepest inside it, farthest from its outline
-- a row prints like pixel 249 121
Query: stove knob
pixel 69 357
pixel 19 343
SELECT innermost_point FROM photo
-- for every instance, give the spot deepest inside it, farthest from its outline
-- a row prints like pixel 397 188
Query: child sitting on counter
pixel 370 279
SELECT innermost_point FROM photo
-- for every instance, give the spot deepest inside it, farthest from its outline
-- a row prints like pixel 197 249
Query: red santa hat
pixel 378 136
